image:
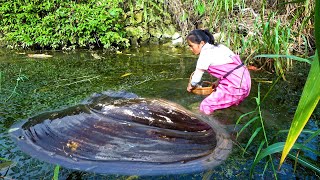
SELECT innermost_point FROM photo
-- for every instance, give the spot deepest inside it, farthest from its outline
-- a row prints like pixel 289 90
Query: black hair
pixel 198 35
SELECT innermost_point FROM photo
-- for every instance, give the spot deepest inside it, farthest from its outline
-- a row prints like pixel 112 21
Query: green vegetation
pixel 307 104
pixel 59 24
pixel 262 28
pixel 249 27
pixel 56 24
pixel 271 35
pixel 56 172
pixel 310 97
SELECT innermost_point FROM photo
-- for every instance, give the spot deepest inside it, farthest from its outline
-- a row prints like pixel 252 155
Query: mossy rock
pixel 155 32
pixel 145 38
pixel 135 31
pixel 138 17
pixel 168 31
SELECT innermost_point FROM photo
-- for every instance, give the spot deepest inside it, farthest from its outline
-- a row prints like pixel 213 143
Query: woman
pixel 234 82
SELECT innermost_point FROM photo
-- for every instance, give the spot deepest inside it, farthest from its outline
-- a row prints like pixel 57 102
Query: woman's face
pixel 195 48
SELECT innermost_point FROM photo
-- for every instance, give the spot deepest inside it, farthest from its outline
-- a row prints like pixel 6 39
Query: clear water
pixel 67 78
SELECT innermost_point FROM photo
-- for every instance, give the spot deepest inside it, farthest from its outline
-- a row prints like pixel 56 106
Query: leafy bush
pixel 60 24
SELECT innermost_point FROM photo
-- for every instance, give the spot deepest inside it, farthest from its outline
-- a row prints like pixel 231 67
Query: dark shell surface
pixel 120 133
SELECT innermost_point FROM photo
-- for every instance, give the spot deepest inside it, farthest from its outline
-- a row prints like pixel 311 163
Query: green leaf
pixel 307 103
pixel 259 149
pixel 247 124
pixel 284 56
pixel 243 115
pixel 317 26
pixel 56 173
pixel 313 135
pixel 5 164
pixel 274 148
pixel 251 138
pixel 305 162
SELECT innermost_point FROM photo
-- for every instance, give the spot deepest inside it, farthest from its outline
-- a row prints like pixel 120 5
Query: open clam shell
pixel 117 133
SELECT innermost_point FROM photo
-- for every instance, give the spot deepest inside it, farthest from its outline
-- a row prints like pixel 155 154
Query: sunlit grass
pixel 278 43
pixel 310 95
pixel 267 31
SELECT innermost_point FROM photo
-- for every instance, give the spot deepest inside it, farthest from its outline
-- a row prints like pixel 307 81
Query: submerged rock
pixel 39 55
pixel 120 133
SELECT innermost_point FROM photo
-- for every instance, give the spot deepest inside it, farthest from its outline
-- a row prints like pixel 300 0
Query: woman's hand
pixel 189 88
pixel 215 84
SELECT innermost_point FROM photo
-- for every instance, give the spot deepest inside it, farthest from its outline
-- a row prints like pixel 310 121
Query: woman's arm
pixel 195 79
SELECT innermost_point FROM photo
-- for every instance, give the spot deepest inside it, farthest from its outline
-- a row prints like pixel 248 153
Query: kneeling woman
pixel 234 82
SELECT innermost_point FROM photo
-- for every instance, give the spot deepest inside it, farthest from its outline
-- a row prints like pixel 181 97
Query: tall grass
pixel 273 29
pixel 310 96
pixel 267 142
pixel 257 119
pixel 308 102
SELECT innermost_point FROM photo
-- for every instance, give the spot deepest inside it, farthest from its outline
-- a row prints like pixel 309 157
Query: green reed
pixel 310 95
pixel 308 101
pixel 56 172
pixel 20 78
pixel 269 32
pixel 256 120
pixel 268 144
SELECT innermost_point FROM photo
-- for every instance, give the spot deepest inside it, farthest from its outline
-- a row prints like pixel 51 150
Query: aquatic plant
pixel 56 172
pixel 257 27
pixel 310 96
pixel 256 118
pixel 267 142
pixel 20 77
pixel 6 163
pixel 307 103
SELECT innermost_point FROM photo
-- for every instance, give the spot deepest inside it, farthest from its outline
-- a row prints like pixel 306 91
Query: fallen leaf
pixel 126 74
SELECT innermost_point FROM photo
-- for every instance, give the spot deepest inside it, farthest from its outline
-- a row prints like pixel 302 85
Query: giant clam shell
pixel 120 133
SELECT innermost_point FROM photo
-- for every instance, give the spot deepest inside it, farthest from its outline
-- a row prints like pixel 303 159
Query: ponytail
pixel 210 36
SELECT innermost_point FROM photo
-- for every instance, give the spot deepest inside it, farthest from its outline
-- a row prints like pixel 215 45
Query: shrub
pixel 58 24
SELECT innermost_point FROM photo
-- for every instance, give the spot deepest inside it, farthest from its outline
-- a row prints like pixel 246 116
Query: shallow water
pixel 118 133
pixel 67 78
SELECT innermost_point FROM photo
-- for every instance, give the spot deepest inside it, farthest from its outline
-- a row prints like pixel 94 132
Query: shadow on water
pixel 67 78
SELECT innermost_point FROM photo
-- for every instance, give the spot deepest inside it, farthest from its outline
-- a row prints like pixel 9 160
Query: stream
pixel 30 85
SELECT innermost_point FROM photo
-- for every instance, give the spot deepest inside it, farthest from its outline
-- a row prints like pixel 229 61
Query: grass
pixel 308 101
pixel 261 28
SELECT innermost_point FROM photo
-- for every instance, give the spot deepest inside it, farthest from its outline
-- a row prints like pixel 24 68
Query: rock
pixel 176 36
pixel 177 42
